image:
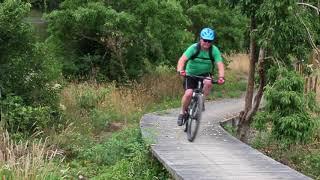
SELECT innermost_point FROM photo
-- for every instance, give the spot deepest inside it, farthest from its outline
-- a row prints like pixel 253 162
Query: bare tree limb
pixel 314 46
pixel 310 37
pixel 312 6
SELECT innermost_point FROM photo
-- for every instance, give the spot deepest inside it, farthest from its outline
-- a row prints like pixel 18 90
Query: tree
pixel 229 25
pixel 28 72
pixel 117 39
pixel 275 31
pixel 288 109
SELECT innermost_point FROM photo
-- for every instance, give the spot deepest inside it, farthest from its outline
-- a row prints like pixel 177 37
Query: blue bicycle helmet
pixel 207 33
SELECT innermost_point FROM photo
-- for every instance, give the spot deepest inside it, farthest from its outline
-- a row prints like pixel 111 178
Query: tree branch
pixel 312 6
pixel 310 37
pixel 91 38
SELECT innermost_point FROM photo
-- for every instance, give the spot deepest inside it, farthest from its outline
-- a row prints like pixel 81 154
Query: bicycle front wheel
pixel 193 121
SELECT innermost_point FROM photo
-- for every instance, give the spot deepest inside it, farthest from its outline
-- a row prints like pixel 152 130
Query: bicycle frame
pixel 195 109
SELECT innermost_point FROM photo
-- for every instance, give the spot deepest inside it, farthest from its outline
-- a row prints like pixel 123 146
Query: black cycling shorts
pixel 192 82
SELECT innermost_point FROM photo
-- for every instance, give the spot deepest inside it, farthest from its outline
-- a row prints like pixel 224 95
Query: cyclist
pixel 199 62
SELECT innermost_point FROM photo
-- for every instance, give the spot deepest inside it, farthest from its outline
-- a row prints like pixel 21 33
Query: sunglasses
pixel 207 41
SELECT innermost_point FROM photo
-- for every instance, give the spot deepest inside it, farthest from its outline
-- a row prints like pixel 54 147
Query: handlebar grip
pixel 214 81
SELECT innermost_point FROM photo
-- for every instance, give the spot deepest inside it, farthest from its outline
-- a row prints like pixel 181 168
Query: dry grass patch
pixel 239 63
pixel 26 160
pixel 123 101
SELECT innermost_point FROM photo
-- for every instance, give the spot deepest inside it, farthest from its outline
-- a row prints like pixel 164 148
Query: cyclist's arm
pixel 219 61
pixel 220 66
pixel 185 56
pixel 182 61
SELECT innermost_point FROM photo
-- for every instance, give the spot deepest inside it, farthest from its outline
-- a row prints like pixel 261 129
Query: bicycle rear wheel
pixel 195 110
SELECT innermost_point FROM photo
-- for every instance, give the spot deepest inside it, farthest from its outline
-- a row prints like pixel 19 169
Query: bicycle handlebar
pixel 203 77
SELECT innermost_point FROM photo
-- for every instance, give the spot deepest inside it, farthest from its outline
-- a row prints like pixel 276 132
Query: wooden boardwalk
pixel 214 154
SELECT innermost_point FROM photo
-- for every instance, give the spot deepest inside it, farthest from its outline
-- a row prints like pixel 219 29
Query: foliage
pixel 121 145
pixel 223 20
pixel 287 109
pixel 27 68
pixel 28 72
pixel 276 29
pixel 101 40
pixel 25 119
pixel 282 28
pixel 141 166
pixel 44 5
pixel 116 40
pixel 122 156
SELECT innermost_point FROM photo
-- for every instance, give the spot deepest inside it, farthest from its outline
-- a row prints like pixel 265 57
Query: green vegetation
pixel 116 40
pixel 102 138
pixel 289 124
pixel 71 104
pixel 288 109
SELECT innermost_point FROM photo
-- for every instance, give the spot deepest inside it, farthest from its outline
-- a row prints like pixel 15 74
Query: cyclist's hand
pixel 221 80
pixel 182 73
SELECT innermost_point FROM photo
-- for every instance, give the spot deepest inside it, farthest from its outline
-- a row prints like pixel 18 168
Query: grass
pixel 27 160
pixel 100 137
pixel 239 63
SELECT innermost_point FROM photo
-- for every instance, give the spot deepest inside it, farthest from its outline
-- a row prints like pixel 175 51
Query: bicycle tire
pixel 193 120
pixel 186 123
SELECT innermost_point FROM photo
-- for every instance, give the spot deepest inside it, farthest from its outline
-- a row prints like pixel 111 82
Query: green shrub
pixel 28 69
pixel 23 118
pixel 89 97
pixel 101 119
pixel 127 157
pixel 141 166
pixel 88 100
pixel 312 164
pixel 121 145
pixel 288 109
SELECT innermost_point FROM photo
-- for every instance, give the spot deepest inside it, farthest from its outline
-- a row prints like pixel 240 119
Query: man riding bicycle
pixel 199 59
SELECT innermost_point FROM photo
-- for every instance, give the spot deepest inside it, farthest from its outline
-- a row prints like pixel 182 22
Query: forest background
pixel 71 100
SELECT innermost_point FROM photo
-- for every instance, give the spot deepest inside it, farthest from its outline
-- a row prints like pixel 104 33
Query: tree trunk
pixel 246 116
pixel 241 132
pixel 252 107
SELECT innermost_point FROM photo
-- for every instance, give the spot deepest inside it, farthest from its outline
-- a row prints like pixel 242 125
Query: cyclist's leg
pixel 207 86
pixel 186 100
pixel 184 106
pixel 188 85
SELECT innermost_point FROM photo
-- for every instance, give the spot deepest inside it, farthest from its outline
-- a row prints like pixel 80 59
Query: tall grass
pixel 239 63
pixel 122 103
pixel 26 160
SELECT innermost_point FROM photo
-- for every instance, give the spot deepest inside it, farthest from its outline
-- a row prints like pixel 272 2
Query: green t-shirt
pixel 201 64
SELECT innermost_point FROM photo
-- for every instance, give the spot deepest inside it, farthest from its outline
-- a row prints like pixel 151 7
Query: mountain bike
pixel 194 111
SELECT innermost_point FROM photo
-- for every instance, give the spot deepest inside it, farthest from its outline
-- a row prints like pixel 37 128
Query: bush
pixel 288 109
pixel 126 157
pixel 29 71
pixel 120 146
pixel 22 118
pixel 101 119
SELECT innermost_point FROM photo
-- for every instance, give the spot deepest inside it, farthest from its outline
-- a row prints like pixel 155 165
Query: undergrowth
pixel 101 137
